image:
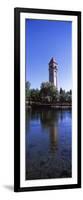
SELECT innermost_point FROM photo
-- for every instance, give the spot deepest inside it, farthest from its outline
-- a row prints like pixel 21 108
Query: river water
pixel 48 144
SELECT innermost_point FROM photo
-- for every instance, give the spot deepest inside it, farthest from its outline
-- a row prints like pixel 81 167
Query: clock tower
pixel 53 67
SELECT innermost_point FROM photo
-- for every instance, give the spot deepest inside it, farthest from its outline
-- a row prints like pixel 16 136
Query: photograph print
pixel 49 142
pixel 48 99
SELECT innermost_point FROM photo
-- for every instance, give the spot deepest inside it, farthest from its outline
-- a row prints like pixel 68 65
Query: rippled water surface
pixel 48 144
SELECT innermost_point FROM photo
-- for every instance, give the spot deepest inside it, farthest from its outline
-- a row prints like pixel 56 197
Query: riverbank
pixel 48 105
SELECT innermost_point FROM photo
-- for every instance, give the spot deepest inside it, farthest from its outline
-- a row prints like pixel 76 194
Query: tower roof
pixel 53 60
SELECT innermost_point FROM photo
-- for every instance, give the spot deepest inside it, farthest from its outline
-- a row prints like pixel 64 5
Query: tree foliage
pixel 27 89
pixel 48 93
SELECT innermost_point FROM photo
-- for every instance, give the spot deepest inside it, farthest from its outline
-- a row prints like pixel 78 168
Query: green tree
pixel 48 92
pixel 27 90
pixel 69 96
pixel 62 97
pixel 35 95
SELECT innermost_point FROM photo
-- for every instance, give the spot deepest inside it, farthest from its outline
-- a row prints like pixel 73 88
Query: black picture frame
pixel 17 89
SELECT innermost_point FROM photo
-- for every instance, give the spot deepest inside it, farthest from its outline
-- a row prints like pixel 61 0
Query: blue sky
pixel 46 39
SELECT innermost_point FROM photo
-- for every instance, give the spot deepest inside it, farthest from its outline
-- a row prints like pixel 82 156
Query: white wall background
pixel 6 98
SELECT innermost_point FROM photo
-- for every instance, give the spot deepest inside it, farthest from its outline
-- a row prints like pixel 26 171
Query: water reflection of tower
pixel 53 138
pixel 49 120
